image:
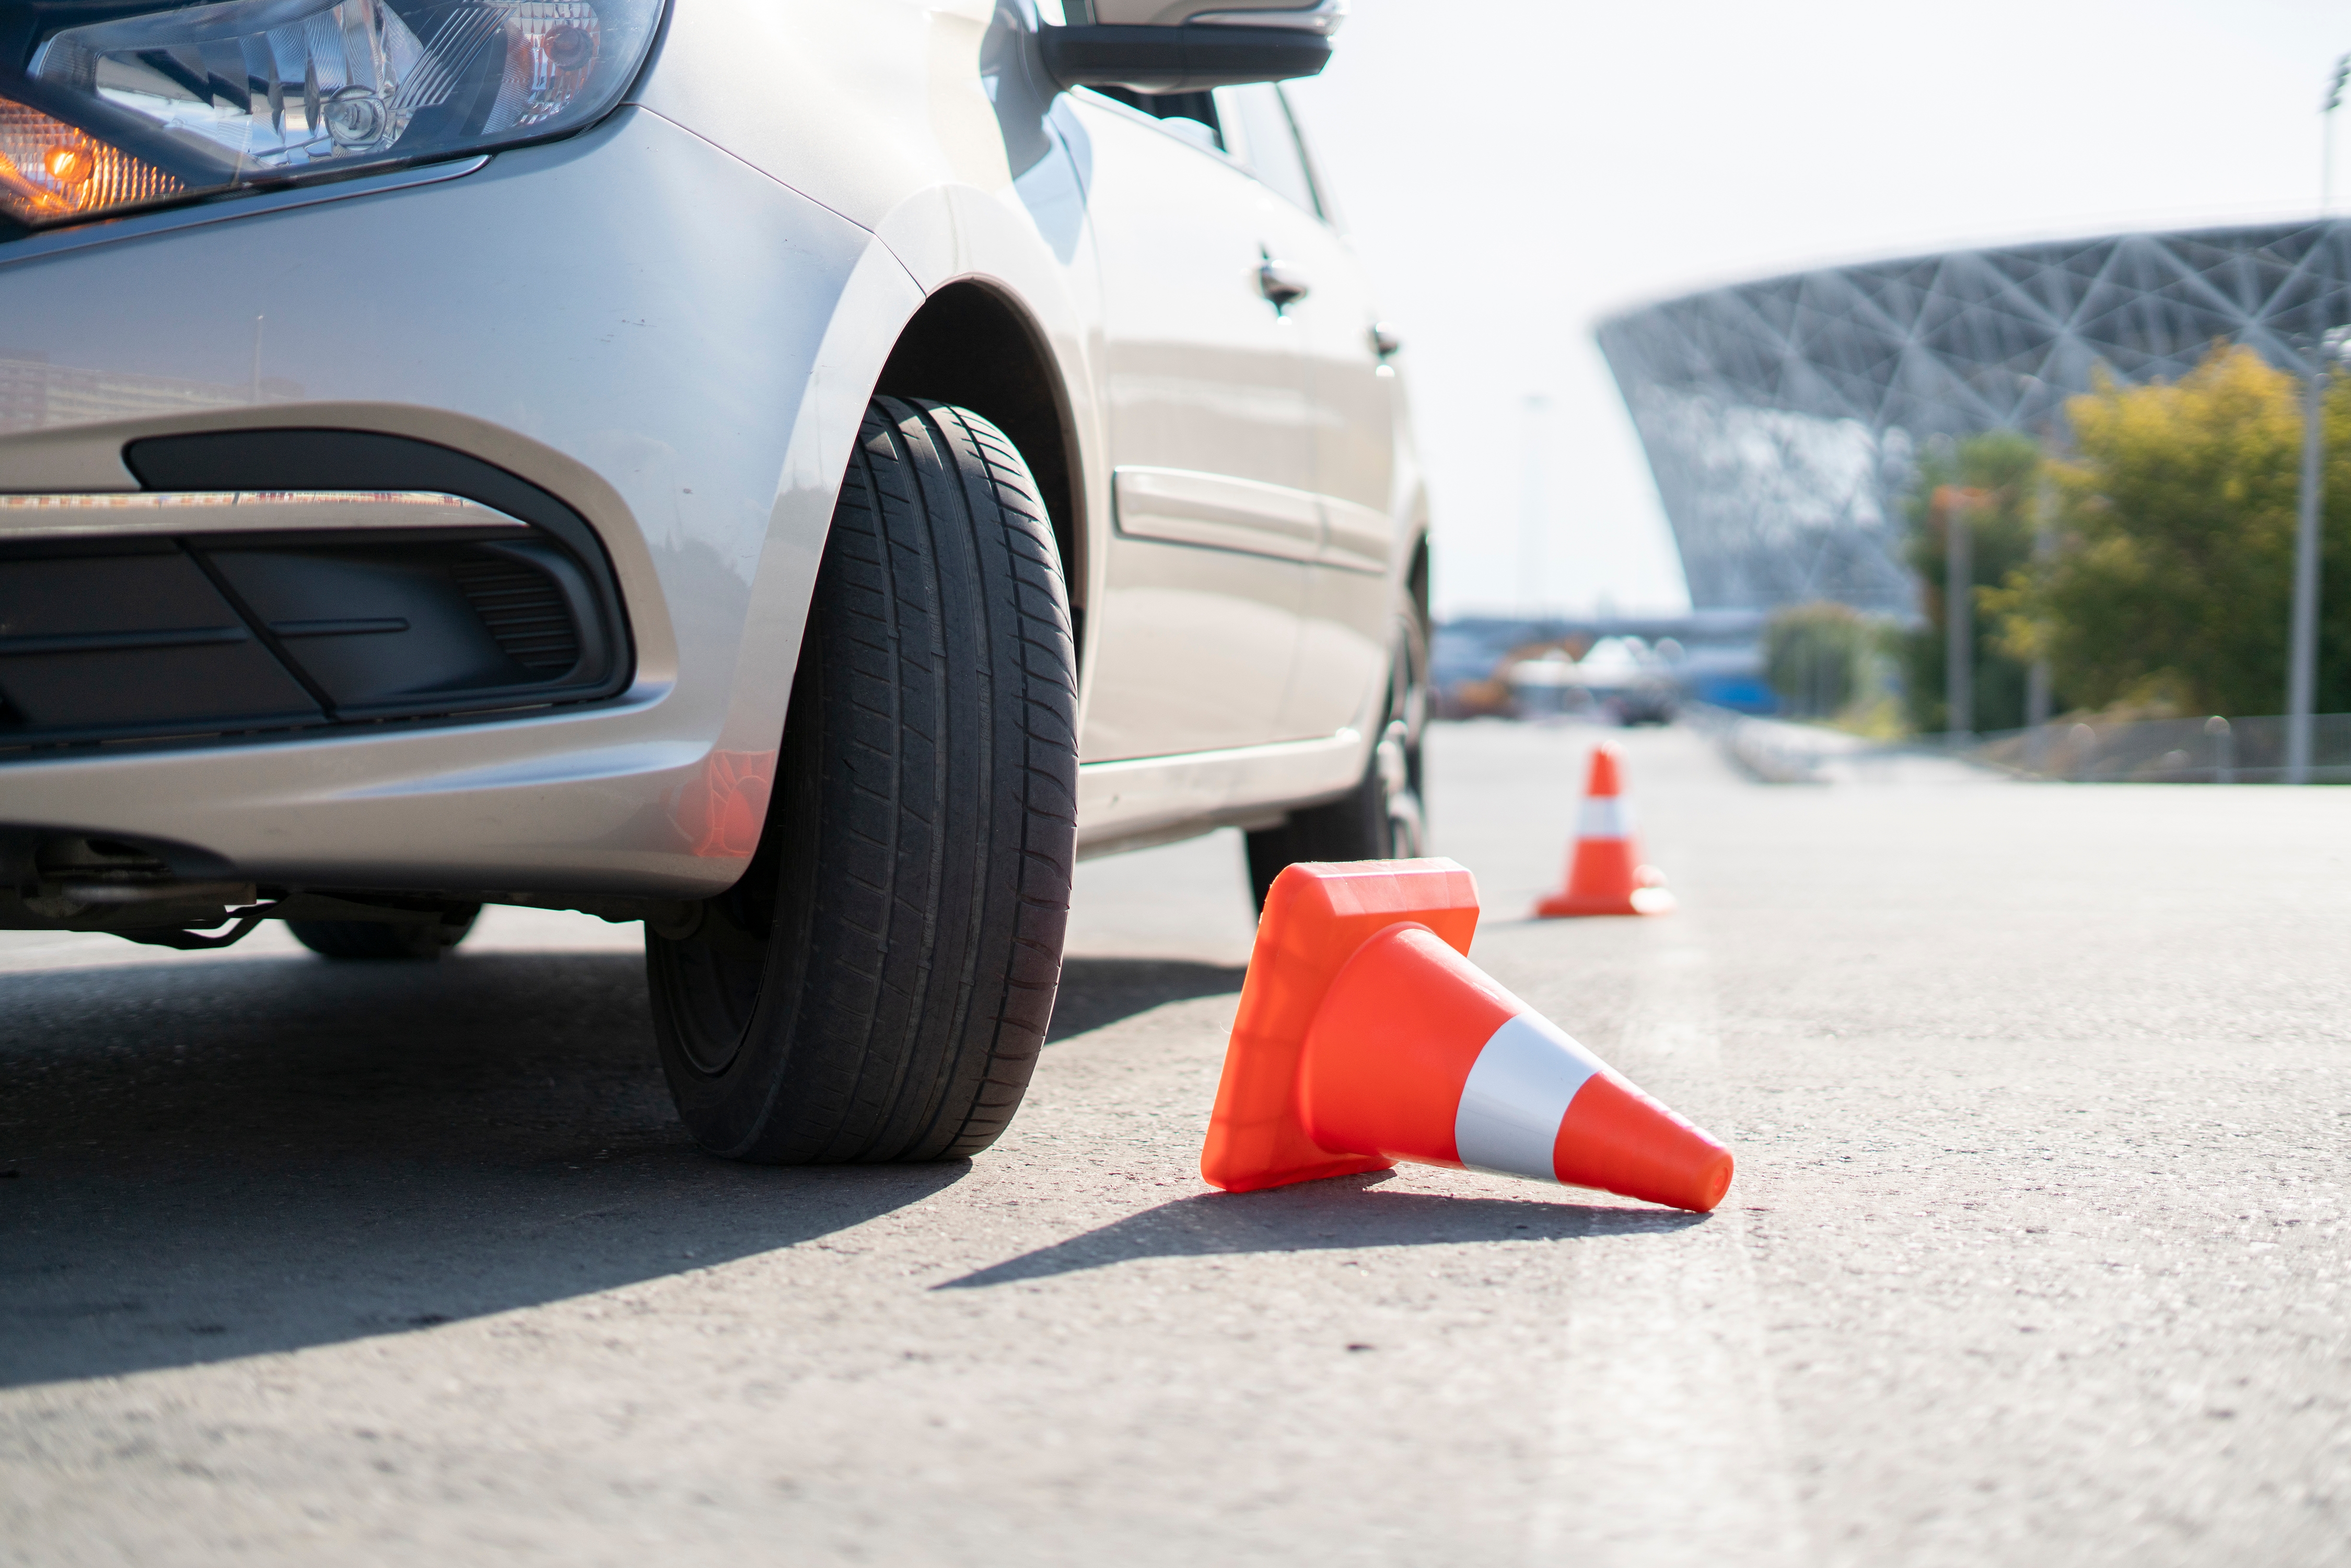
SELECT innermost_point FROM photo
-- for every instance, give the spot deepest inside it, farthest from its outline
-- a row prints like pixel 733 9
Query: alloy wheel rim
pixel 1397 756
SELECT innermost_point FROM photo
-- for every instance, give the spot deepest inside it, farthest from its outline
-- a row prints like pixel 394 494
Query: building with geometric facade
pixel 1782 419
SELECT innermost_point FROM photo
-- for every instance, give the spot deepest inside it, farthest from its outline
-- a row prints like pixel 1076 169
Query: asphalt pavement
pixel 2037 1252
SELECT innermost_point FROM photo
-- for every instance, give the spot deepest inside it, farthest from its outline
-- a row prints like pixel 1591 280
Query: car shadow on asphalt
pixel 214 1160
pixel 211 1159
pixel 1341 1214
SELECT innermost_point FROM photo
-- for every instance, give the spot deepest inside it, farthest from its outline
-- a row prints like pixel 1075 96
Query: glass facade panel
pixel 1782 418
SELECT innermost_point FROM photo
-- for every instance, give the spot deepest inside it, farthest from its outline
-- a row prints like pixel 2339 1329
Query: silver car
pixel 795 473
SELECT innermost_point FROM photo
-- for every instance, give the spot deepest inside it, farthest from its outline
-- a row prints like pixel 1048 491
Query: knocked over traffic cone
pixel 1604 874
pixel 1363 1038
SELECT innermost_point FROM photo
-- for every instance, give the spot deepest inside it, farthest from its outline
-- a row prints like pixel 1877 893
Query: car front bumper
pixel 668 341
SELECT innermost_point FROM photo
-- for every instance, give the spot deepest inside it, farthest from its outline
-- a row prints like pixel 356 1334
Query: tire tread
pixel 945 667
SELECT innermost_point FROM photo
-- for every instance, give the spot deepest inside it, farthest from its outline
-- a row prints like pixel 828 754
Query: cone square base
pixel 1640 901
pixel 1316 917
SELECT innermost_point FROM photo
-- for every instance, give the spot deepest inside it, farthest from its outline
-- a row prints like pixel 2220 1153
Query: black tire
pixel 1382 818
pixel 877 986
pixel 381 939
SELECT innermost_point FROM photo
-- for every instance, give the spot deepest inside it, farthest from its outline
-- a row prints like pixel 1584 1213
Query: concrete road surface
pixel 2038 1252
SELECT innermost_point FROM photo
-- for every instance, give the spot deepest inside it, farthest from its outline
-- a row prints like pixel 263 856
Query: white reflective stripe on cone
pixel 1516 1095
pixel 1604 817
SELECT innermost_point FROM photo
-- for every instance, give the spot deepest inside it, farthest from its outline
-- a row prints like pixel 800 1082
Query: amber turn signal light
pixel 52 173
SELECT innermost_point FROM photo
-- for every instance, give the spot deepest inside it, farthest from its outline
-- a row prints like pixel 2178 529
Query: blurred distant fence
pixel 2167 751
pixel 2145 751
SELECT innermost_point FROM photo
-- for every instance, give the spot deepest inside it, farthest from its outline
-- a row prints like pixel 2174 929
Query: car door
pixel 1211 435
pixel 1344 629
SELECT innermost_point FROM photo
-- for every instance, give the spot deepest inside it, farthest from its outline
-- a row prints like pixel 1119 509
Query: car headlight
pixel 149 103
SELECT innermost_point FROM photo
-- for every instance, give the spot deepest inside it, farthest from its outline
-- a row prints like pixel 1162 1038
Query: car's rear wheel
pixel 384 939
pixel 1382 818
pixel 877 985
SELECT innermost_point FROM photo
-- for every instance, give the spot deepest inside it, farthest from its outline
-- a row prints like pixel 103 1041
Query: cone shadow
pixel 1342 1213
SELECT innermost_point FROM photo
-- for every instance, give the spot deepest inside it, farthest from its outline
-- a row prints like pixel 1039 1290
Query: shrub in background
pixel 1824 660
pixel 2172 586
pixel 1812 657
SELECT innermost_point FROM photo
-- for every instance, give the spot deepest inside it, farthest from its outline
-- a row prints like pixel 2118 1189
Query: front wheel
pixel 877 985
pixel 1382 817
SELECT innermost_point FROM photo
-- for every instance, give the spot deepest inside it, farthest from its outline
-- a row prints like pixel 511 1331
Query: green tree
pixel 2006 466
pixel 1811 656
pixel 2173 583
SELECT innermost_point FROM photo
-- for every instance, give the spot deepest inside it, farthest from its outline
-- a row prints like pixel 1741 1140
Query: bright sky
pixel 1514 168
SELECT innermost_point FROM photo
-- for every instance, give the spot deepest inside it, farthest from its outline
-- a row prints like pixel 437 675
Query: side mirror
pixel 1189 46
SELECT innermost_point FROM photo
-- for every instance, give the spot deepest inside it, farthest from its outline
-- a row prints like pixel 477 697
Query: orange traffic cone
pixel 1363 1038
pixel 1604 874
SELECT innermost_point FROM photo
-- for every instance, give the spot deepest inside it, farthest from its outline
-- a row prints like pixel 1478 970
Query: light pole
pixel 1531 509
pixel 2038 699
pixel 2037 696
pixel 2302 647
pixel 2302 650
pixel 2326 134
pixel 1959 610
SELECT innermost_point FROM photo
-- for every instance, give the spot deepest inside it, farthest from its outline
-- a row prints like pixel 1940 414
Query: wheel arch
pixel 973 345
pixel 1415 573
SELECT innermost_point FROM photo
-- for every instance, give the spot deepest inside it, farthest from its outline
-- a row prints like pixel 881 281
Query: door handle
pixel 1278 284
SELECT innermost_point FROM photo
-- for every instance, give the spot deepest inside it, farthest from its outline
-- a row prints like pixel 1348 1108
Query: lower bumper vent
pixel 523 611
pixel 105 640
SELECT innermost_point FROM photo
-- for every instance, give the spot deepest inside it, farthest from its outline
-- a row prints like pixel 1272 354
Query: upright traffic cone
pixel 1604 874
pixel 1365 1037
